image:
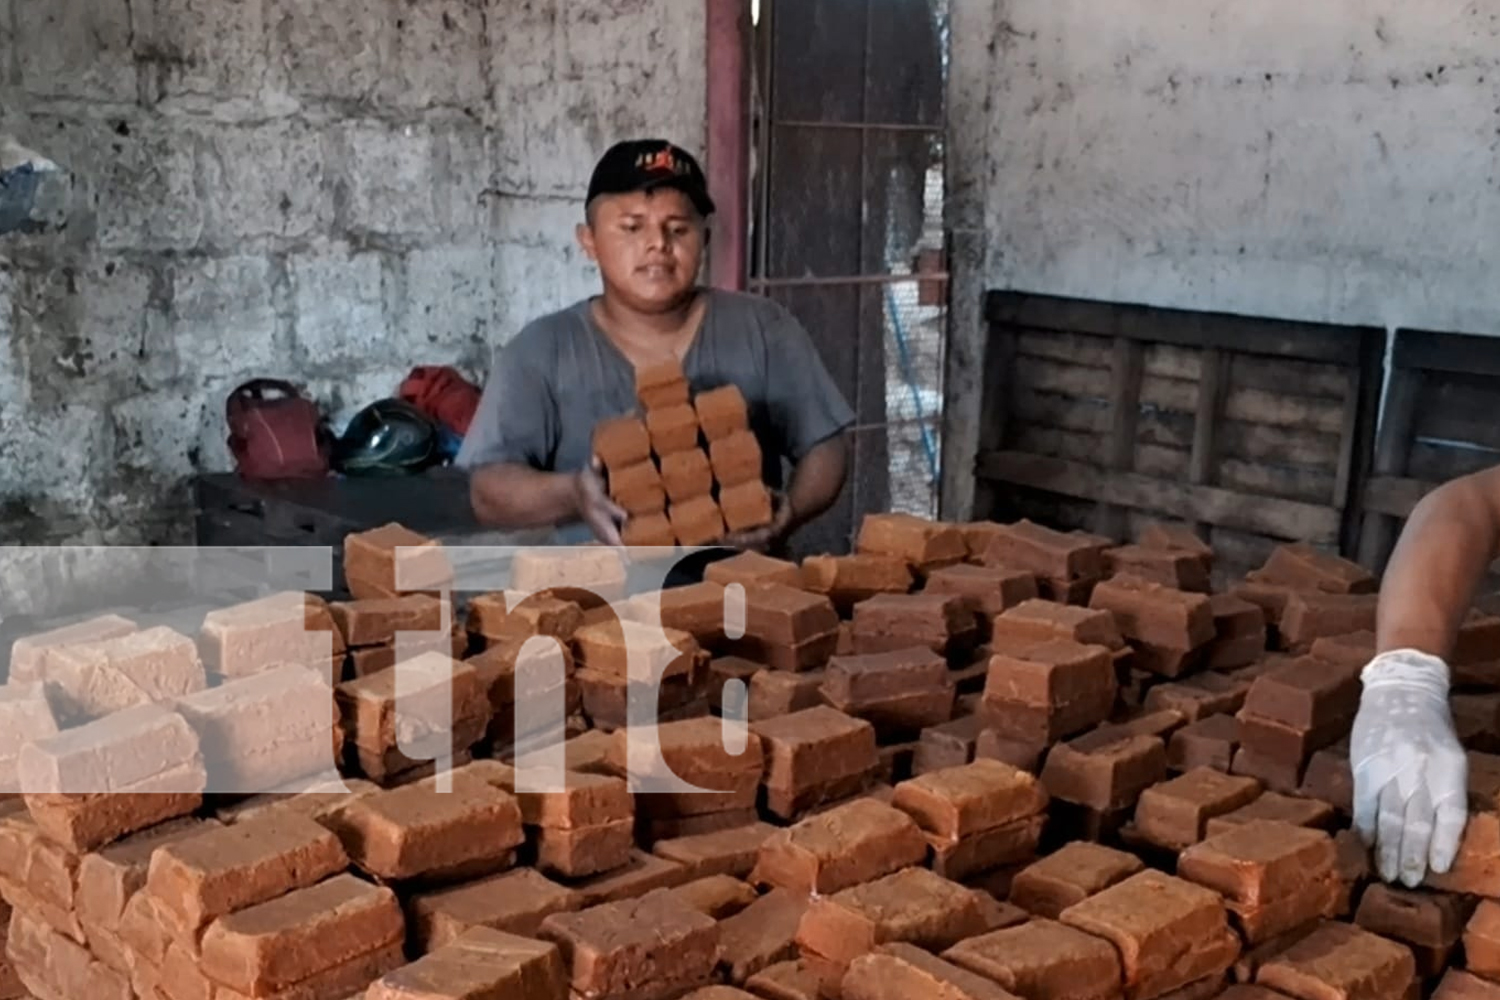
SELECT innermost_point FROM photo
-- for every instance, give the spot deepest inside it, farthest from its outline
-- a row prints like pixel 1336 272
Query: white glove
pixel 1410 773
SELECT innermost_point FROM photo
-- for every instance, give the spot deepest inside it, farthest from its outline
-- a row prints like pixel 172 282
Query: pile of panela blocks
pixel 951 785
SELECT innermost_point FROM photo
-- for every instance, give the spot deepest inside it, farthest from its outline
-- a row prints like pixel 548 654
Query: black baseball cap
pixel 648 164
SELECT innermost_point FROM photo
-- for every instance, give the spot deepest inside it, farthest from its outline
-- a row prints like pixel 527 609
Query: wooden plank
pixel 994 407
pixel 1175 394
pixel 1258 406
pixel 1162 463
pixel 1063 412
pixel 1395 496
pixel 1377 534
pixel 1056 443
pixel 1166 430
pixel 1435 463
pixel 1281 445
pixel 1459 408
pixel 1312 485
pixel 1046 375
pixel 1446 352
pixel 1124 410
pixel 1210 410
pixel 1070 348
pixel 1309 341
pixel 1287 519
pixel 1290 376
pixel 1172 361
pixel 1348 440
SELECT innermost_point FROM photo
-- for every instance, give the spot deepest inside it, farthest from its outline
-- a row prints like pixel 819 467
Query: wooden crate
pixel 1106 417
pixel 1440 423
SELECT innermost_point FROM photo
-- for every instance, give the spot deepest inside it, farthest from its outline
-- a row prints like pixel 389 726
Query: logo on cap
pixel 661 160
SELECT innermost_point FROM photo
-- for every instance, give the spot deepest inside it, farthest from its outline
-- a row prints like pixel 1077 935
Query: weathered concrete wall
pixel 327 191
pixel 1330 161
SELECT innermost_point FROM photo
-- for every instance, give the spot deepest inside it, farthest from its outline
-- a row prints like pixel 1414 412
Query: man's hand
pixel 1410 772
pixel 772 535
pixel 603 516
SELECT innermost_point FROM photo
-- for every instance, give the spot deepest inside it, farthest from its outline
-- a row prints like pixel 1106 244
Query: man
pixel 530 446
pixel 1410 772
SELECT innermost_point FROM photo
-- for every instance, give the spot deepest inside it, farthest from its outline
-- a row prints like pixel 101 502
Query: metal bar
pixel 857 279
pixel 729 139
pixel 764 51
pixel 859 126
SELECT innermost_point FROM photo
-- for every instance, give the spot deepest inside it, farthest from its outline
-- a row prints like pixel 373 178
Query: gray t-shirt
pixel 560 376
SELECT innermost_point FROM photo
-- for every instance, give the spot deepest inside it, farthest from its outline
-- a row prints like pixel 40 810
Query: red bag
pixel 443 394
pixel 276 433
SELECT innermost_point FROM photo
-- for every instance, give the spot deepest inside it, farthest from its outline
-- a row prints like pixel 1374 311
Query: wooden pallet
pixel 1106 417
pixel 1440 423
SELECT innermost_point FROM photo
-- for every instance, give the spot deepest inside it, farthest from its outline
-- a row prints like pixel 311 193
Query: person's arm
pixel 1410 771
pixel 817 481
pixel 515 497
pixel 1448 544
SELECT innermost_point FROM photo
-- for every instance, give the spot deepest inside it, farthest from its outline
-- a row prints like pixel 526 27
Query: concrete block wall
pixel 330 192
pixel 1332 162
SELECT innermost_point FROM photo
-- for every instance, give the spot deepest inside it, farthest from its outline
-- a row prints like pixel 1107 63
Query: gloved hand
pixel 1410 772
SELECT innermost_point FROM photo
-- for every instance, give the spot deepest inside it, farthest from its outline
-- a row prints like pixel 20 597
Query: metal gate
pixel 847 227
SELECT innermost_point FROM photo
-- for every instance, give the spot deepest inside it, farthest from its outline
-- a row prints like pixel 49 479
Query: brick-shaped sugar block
pixel 638 488
pixel 1169 932
pixel 717 896
pixel 813 747
pixel 436 695
pixel 1037 620
pixel 1481 937
pixel 1174 815
pixel 746 506
pixel 794 980
pixel 512 614
pixel 621 441
pixel 1308 617
pixel 1353 650
pixel 381 620
pixel 977 797
pixel 848 845
pixel 775 693
pixel 672 429
pixel 1304 567
pixel 1235 617
pixel 648 531
pixel 662 384
pixel 656 943
pixel 722 411
pixel 585 851
pixel 697 521
pixel 854 681
pixel 1286 745
pixel 108 878
pixel 91 680
pixel 1047 553
pixel 736 458
pixel 275 945
pixel 1174 568
pixel 893 621
pixel 923 543
pixel 53 967
pixel 588 575
pixel 1011 844
pixel 753 569
pixel 1180 537
pixel 992 590
pixel 265 731
pixel 1274 876
pixel 762 934
pixel 775 612
pixel 913 906
pixel 952 744
pixel 693 751
pixel 898 971
pixel 1459 985
pixel 1044 959
pixel 515 902
pixel 25 717
pixel 1279 774
pixel 1340 961
pixel 391 560
pixel 479 963
pixel 1070 875
pixel 1104 771
pixel 230 868
pixel 1198 697
pixel 847 580
pixel 420 831
pixel 1209 742
pixel 289 627
pixel 1476 869
pixel 561 800
pixel 29 653
pixel 726 852
pixel 1044 691
pixel 686 475
pixel 94 784
pixel 1305 694
pixel 1278 808
pixel 1430 923
pixel 1150 613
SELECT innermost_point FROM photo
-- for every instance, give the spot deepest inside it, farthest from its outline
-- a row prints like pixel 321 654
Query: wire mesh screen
pixel 849 229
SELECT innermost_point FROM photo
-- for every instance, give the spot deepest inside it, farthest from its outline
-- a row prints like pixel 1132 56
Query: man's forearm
pixel 1445 549
pixel 818 480
pixel 516 498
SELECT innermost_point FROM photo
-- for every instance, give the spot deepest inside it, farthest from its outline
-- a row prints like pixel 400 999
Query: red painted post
pixel 728 155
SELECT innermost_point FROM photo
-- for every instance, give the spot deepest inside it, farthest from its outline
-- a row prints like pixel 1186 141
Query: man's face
pixel 648 245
